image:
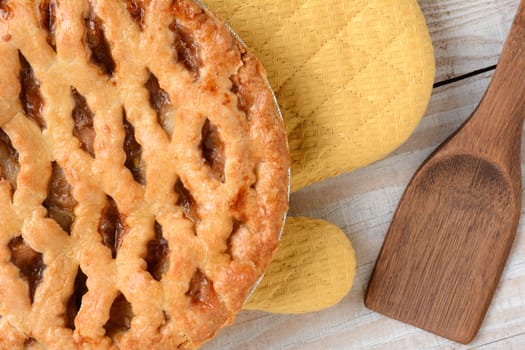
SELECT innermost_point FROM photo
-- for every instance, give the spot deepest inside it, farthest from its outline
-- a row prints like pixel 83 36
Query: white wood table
pixel 468 36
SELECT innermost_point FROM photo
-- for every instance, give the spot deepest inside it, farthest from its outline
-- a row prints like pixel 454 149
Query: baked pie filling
pixel 143 174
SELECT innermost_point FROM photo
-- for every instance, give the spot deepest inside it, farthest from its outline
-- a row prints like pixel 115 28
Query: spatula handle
pixel 505 97
pixel 508 84
pixel 496 126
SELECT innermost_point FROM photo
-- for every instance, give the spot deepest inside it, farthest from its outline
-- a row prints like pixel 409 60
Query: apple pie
pixel 143 174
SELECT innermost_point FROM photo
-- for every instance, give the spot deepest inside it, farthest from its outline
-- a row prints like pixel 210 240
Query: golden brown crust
pixel 172 223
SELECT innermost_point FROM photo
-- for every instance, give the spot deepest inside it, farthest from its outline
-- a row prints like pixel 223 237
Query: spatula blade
pixel 447 246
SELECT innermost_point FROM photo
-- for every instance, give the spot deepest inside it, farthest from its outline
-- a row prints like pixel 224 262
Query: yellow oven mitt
pixel 353 79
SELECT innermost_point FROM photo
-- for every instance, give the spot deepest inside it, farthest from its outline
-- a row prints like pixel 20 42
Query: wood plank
pixel 362 204
pixel 467 35
pixel 516 342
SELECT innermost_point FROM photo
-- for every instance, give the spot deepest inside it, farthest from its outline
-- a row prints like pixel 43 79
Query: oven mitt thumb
pixel 353 79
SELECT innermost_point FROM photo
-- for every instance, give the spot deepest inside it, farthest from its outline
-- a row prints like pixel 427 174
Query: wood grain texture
pixel 451 235
pixel 363 202
pixel 467 35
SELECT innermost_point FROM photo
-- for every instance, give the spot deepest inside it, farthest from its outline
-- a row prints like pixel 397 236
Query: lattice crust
pixel 143 174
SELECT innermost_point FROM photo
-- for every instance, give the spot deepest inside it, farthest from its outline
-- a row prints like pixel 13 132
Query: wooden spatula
pixel 449 240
